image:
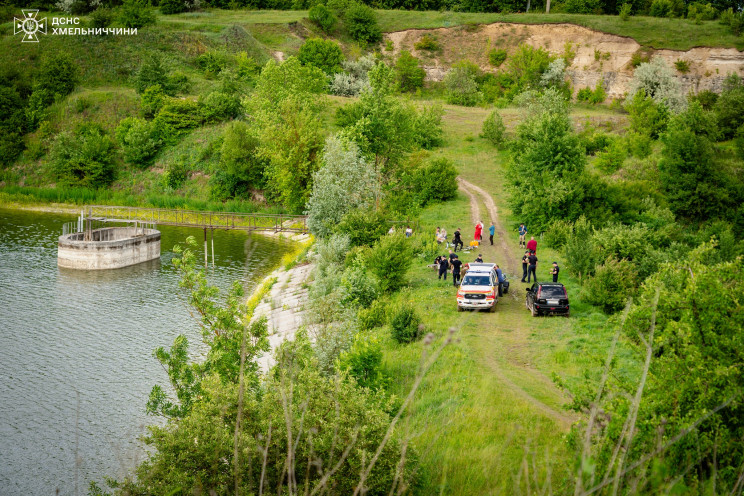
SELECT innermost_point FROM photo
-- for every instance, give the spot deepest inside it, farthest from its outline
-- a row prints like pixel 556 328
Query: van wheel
pixel 459 308
pixel 492 309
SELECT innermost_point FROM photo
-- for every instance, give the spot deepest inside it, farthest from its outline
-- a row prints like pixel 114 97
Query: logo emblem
pixel 29 25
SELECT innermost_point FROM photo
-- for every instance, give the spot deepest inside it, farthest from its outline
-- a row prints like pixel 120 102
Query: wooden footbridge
pixel 193 218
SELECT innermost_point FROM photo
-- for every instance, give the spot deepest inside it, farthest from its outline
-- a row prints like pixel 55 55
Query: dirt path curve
pixel 506 352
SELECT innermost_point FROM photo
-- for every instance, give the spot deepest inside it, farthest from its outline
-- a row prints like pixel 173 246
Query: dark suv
pixel 547 298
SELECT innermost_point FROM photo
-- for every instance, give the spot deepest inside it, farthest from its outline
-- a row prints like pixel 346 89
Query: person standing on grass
pixel 443 267
pixel 522 233
pixel 525 263
pixel 457 239
pixel 555 271
pixel 531 270
pixel 478 231
pixel 532 245
pixel 491 232
pixel 500 279
pixel 479 259
pixel 456 264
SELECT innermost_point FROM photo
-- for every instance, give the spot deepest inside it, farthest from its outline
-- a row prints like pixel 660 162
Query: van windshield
pixel 476 280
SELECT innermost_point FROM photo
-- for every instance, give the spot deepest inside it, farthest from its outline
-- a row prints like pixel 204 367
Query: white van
pixel 479 288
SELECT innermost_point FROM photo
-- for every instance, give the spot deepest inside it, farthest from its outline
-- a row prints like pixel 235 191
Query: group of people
pixel 441 236
pixel 408 231
pixel 529 259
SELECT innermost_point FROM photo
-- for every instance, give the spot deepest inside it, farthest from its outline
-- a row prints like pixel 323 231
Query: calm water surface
pixel 76 363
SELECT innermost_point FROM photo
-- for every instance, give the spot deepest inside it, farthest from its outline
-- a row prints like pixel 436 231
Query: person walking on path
pixel 500 279
pixel 532 245
pixel 522 233
pixel 457 239
pixel 555 271
pixel 525 263
pixel 478 231
pixel 456 264
pixel 443 267
pixel 491 232
pixel 531 271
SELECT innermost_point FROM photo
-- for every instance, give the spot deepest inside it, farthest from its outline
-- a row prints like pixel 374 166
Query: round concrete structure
pixel 108 248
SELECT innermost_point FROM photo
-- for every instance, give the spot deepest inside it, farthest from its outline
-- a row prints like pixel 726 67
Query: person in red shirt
pixel 532 245
pixel 479 231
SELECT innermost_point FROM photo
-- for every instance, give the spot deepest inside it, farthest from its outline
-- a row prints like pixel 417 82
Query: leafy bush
pixel 363 362
pixel 462 88
pixel 613 282
pixel 558 234
pixel 389 261
pixel 326 55
pixel 657 80
pixel 434 182
pixel 354 78
pixel 219 106
pixel 373 316
pixel 494 129
pixel 83 158
pixel 322 17
pixel 555 75
pixel 701 11
pixel 584 95
pixel 176 173
pixel 345 181
pixel 639 57
pixel 361 22
pixel 612 159
pixel 136 14
pixel 363 226
pixel 706 98
pixel 152 101
pixel 581 6
pixel 661 8
pixel 598 95
pixel 682 66
pixel 625 10
pixel 527 66
pixel 427 42
pixel 240 168
pixel 56 78
pixel 580 251
pixel 639 145
pixel 647 117
pixel 179 115
pixel 152 73
pixel 733 20
pixel 729 108
pixel 212 63
pixel 138 141
pixel 739 142
pixel 359 288
pixel 168 7
pixel 404 324
pixel 101 17
pixel 496 56
pixel 409 73
pixel 428 127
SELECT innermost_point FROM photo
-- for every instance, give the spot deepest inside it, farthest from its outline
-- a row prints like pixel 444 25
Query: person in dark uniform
pixel 457 240
pixel 456 264
pixel 525 263
pixel 479 259
pixel 532 260
pixel 555 271
pixel 443 267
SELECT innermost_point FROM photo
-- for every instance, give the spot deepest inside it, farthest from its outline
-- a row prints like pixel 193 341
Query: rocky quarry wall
pixel 598 56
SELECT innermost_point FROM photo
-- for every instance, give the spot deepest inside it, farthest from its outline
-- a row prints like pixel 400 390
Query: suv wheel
pixel 535 313
pixel 493 308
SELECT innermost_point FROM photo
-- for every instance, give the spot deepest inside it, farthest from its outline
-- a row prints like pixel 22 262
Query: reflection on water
pixel 76 362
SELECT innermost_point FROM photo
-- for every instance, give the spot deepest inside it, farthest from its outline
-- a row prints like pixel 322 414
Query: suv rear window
pixel 476 280
pixel 551 291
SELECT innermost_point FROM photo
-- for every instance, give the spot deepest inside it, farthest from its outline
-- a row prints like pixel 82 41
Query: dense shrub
pixel 152 100
pixel 428 43
pixel 647 117
pixel 625 11
pixel 152 73
pixel 84 157
pixel 358 287
pixel 733 20
pixel 179 115
pixel 462 88
pixel 172 6
pixel 176 173
pixel 322 17
pixel 101 17
pixel 408 71
pixel 389 261
pixel 657 80
pixel 219 106
pixel 661 8
pixel 682 66
pixel 558 234
pixel 739 142
pixel 373 316
pixel 611 160
pixel 138 140
pixel 363 226
pixel 639 145
pixel 354 78
pixel 345 181
pixel 613 282
pixel 494 129
pixel 212 63
pixel 404 324
pixel 527 66
pixel 584 95
pixel 729 108
pixel 136 14
pixel 434 182
pixel 701 11
pixel 497 56
pixel 428 127
pixel 706 98
pixel 326 55
pixel 361 22
pixel 56 78
pixel 13 124
pixel 581 6
pixel 363 362
pixel 240 168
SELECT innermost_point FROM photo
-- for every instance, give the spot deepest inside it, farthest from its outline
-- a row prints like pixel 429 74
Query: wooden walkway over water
pixel 194 218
